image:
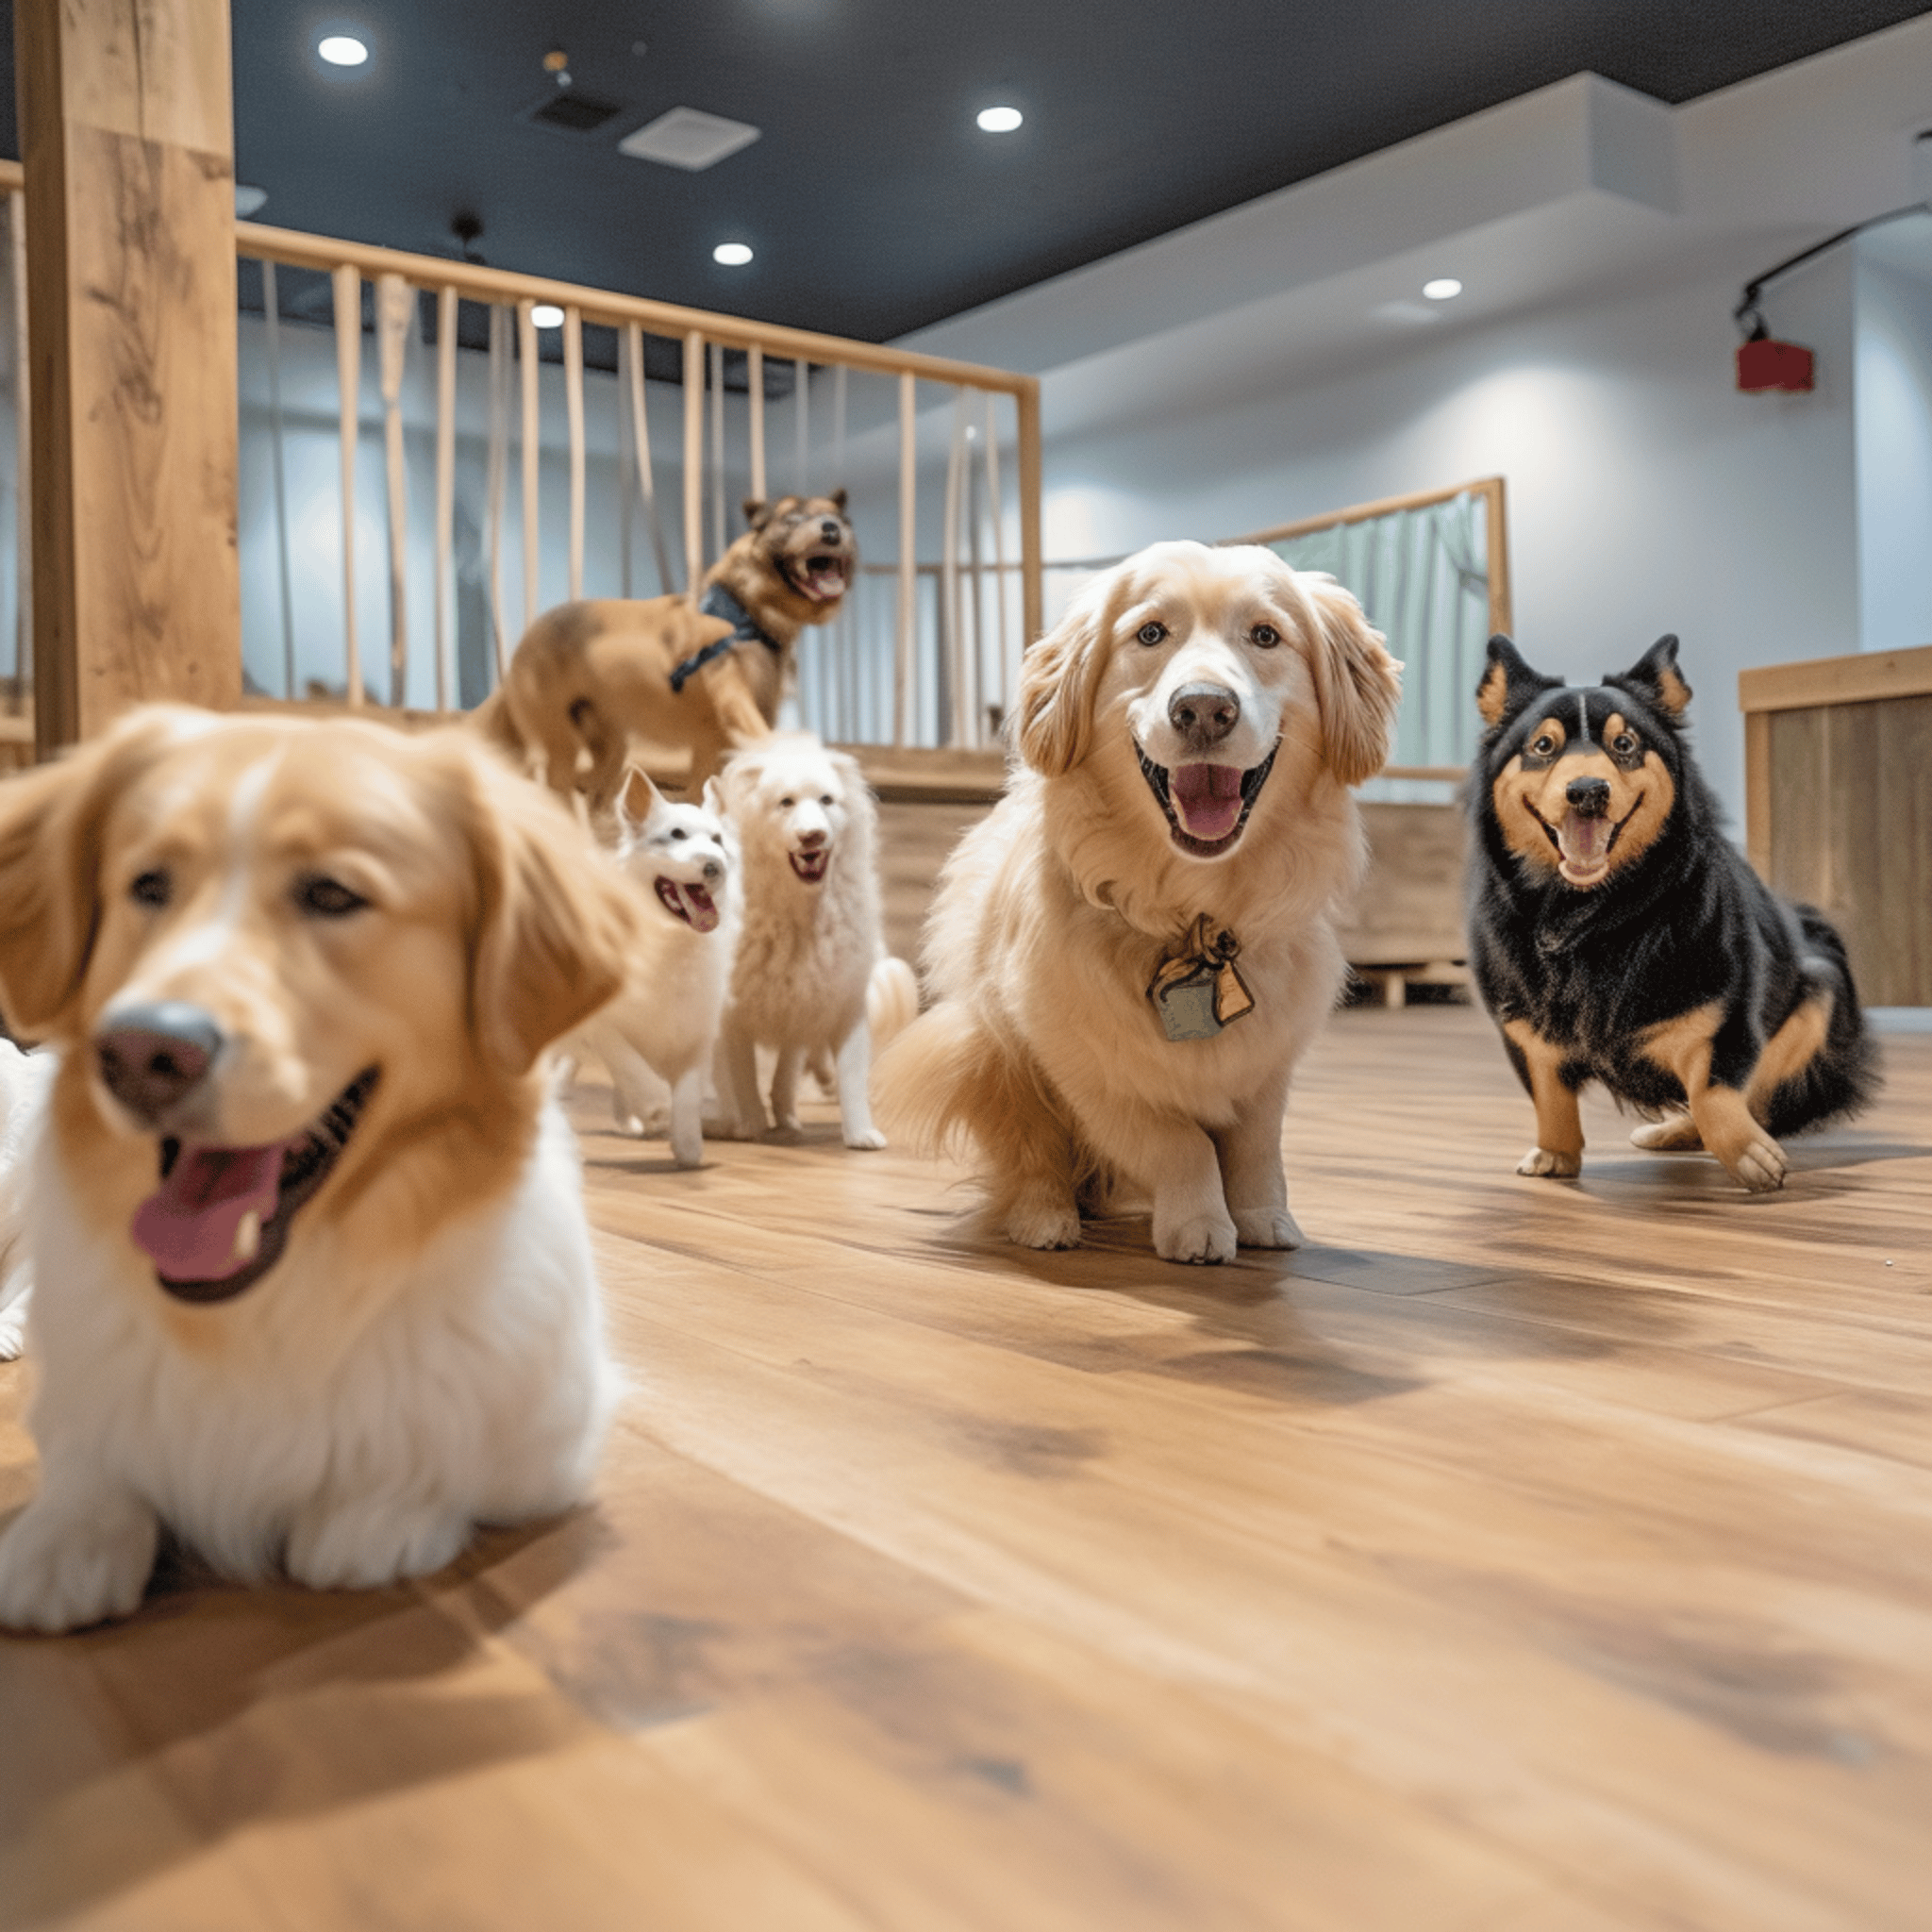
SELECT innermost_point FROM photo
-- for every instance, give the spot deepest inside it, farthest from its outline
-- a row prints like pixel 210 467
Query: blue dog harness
pixel 719 602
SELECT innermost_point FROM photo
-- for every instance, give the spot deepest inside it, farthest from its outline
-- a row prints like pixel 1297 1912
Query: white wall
pixel 1894 447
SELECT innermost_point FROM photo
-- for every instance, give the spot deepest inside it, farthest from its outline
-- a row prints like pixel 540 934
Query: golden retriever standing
pixel 596 674
pixel 1131 952
pixel 313 1285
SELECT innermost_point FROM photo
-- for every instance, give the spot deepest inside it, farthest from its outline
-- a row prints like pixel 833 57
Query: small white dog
pixel 811 948
pixel 312 1276
pixel 1133 950
pixel 662 1031
pixel 23 1082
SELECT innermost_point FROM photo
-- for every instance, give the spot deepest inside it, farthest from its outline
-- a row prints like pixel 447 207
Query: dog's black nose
pixel 150 1055
pixel 713 871
pixel 812 840
pixel 1589 798
pixel 830 531
pixel 1205 712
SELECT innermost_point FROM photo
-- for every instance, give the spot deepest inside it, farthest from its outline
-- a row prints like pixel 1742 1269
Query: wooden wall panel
pixel 127 141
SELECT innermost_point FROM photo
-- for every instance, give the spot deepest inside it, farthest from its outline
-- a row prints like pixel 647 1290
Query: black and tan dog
pixel 1617 935
pixel 594 675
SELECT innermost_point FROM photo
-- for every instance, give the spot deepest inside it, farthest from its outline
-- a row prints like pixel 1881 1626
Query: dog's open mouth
pixel 1207 805
pixel 811 864
pixel 822 577
pixel 219 1218
pixel 689 903
pixel 1584 844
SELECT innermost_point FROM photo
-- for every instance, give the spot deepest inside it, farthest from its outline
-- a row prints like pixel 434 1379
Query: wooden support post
pixel 905 685
pixel 531 451
pixel 127 136
pixel 395 309
pixel 446 498
pixel 347 283
pixel 574 409
pixel 1032 598
pixel 754 391
pixel 693 462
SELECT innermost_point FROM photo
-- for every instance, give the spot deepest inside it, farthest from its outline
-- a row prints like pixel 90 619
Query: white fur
pixel 350 1456
pixel 806 952
pixel 662 1031
pixel 23 1082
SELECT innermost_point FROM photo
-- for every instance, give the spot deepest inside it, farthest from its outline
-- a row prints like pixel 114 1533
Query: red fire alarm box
pixel 1768 365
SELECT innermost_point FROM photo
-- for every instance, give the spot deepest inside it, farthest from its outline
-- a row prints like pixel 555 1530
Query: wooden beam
pixel 127 137
pixel 1863 678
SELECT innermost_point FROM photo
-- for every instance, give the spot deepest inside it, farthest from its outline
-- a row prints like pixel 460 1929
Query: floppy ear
pixel 556 923
pixel 1059 677
pixel 757 512
pixel 636 798
pixel 1508 683
pixel 1655 677
pixel 51 821
pixel 837 499
pixel 1358 684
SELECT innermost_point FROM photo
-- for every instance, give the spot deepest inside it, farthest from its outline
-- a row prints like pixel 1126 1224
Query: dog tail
pixel 1842 1077
pixel 941 1081
pixel 891 1001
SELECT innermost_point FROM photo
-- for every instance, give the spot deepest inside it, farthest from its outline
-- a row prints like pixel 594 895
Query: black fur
pixel 1685 923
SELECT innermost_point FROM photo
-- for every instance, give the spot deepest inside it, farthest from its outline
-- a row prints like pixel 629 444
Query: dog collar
pixel 1198 990
pixel 719 602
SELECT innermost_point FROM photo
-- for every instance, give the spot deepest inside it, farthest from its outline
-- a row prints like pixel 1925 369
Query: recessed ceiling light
pixel 1000 120
pixel 343 50
pixel 732 254
pixel 1443 288
pixel 547 315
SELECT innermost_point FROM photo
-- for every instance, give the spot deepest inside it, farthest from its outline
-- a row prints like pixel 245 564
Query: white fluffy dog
pixel 811 945
pixel 663 1028
pixel 23 1082
pixel 1133 950
pixel 312 1276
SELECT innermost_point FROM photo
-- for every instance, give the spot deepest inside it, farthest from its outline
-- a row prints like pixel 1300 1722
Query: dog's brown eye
pixel 1151 633
pixel 327 898
pixel 152 888
pixel 786 804
pixel 1623 744
pixel 1265 635
pixel 678 832
pixel 824 798
pixel 1544 747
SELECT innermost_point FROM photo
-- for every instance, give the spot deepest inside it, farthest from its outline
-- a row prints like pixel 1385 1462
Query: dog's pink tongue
pixel 1208 798
pixel 1585 842
pixel 187 1225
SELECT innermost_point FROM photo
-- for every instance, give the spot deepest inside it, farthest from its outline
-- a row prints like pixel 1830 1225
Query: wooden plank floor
pixel 1523 1556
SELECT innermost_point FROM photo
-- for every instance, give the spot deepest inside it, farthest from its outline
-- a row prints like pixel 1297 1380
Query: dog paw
pixel 868 1140
pixel 1676 1133
pixel 1205 1238
pixel 1043 1225
pixel 1759 1165
pixel 1555 1167
pixel 63 1568
pixel 1267 1227
pixel 365 1545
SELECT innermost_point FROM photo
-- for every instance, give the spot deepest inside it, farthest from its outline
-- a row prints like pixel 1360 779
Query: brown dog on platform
pixel 593 675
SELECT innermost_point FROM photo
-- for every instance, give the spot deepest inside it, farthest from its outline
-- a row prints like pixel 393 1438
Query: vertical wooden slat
pixel 499 476
pixel 718 534
pixel 845 629
pixel 953 646
pixel 904 690
pixel 127 138
pixel 278 433
pixel 532 451
pixel 1501 607
pixel 1032 599
pixel 996 505
pixel 22 459
pixel 348 302
pixel 976 568
pixel 755 389
pixel 445 497
pixel 574 405
pixel 396 307
pixel 802 390
pixel 641 437
pixel 626 477
pixel 693 462
pixel 1757 792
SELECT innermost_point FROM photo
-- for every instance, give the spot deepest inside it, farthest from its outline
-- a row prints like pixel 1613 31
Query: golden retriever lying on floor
pixel 593 675
pixel 1131 952
pixel 313 1283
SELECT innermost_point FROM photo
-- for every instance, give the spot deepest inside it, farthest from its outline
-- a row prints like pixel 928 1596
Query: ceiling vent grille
pixel 575 113
pixel 688 138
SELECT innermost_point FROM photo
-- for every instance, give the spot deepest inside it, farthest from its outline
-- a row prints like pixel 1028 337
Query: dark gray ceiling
pixel 874 202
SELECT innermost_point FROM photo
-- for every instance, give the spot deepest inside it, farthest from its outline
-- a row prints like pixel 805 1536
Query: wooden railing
pixel 961 681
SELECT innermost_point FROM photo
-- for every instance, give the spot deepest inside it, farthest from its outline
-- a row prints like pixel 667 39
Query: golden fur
pixel 336 897
pixel 1043 1050
pixel 593 675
